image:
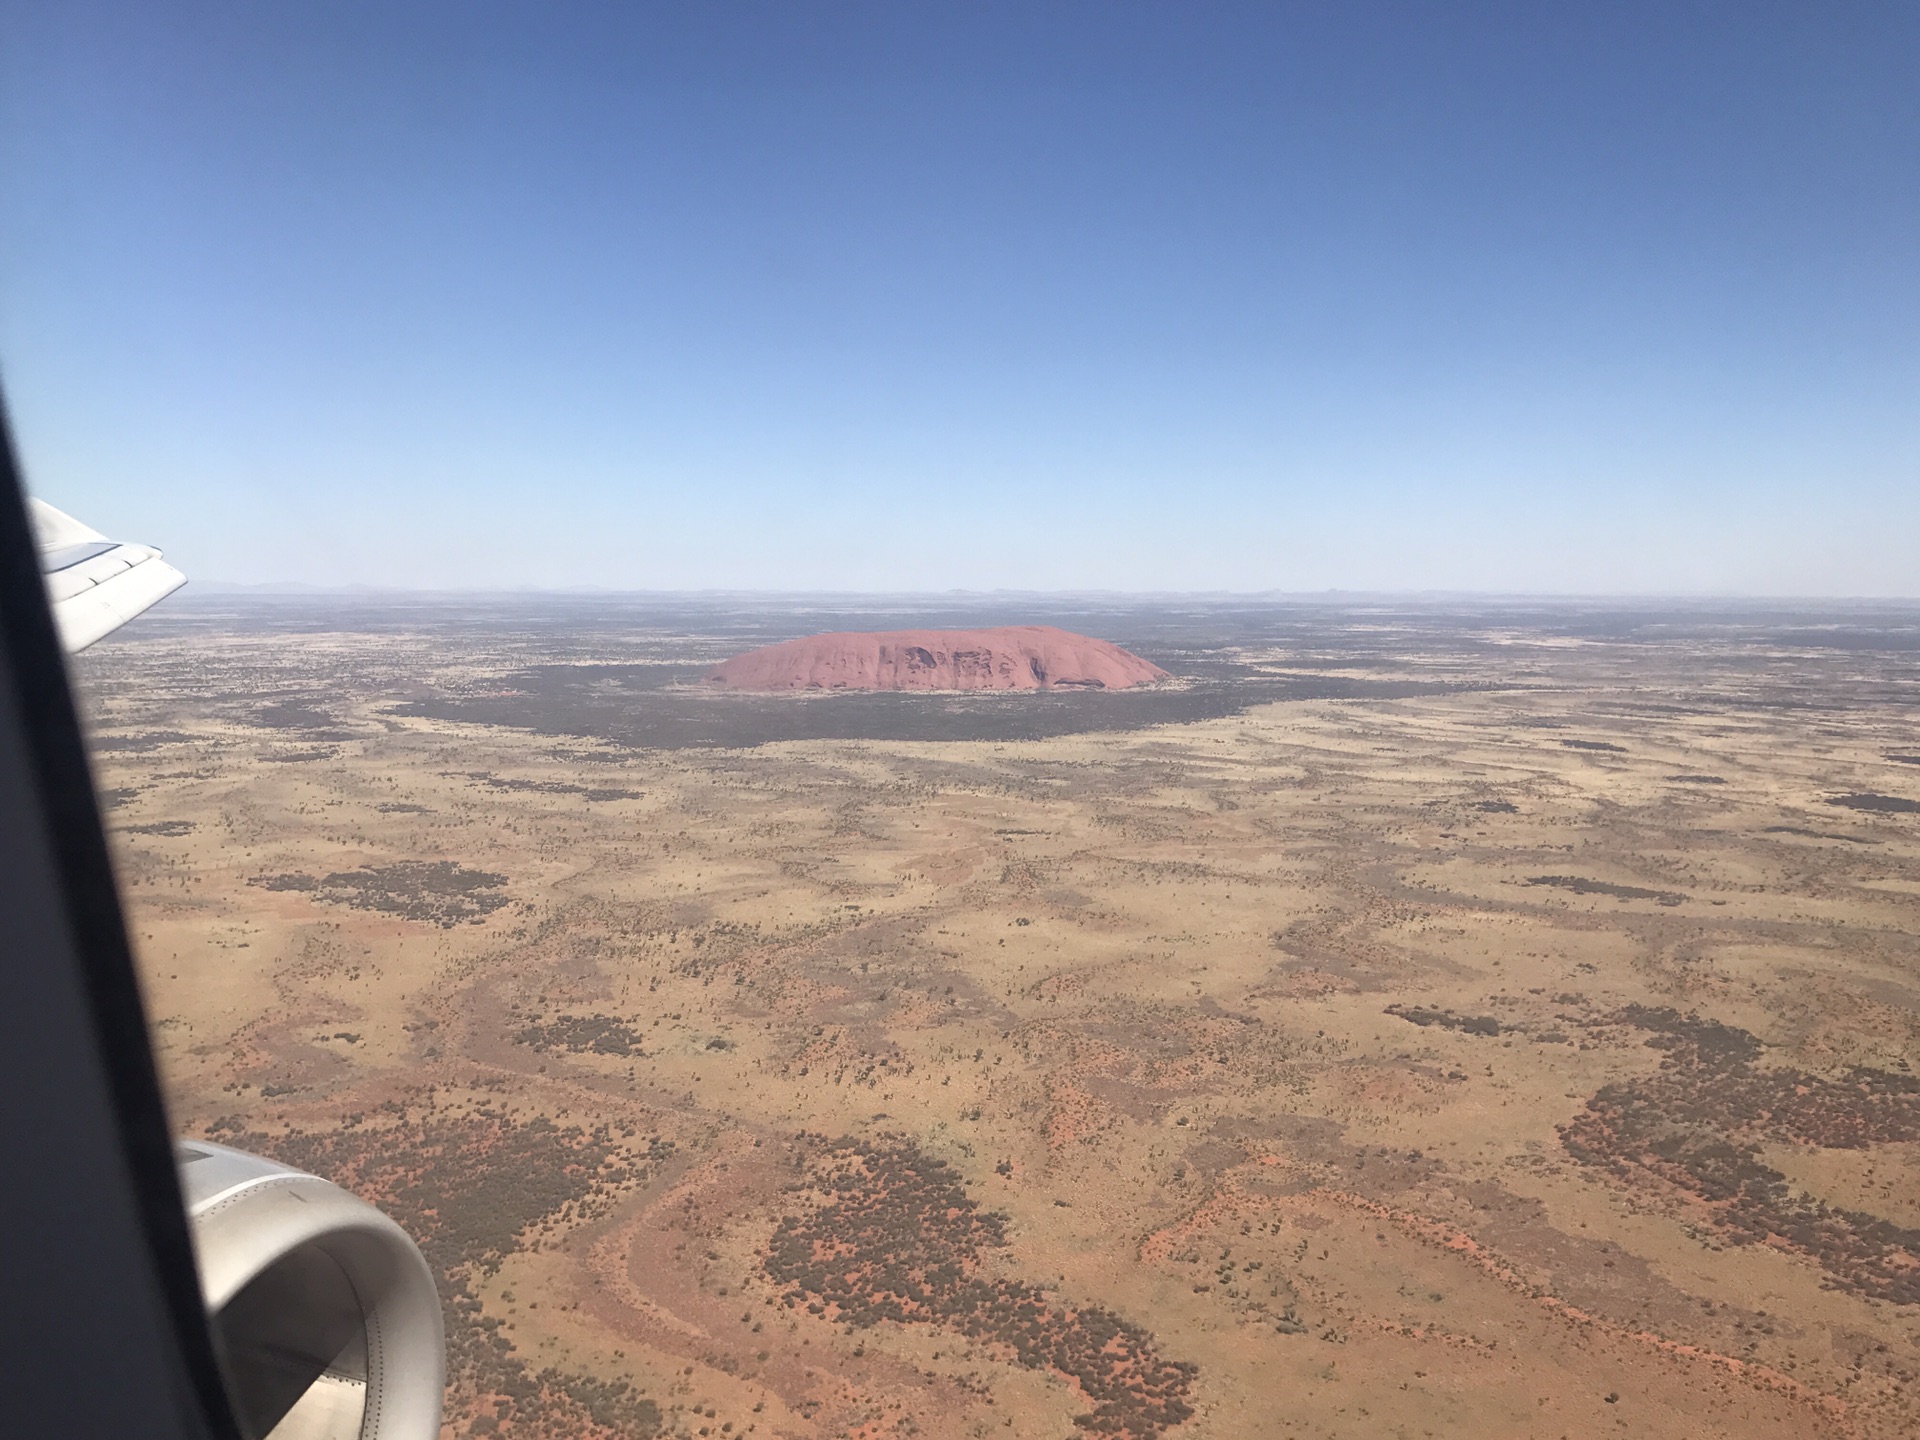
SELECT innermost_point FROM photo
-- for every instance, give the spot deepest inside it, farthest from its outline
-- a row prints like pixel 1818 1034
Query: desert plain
pixel 1409 1021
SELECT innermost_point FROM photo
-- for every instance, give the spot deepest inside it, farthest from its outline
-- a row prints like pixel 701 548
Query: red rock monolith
pixel 1007 657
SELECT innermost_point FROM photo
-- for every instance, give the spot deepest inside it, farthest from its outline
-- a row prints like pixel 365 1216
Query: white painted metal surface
pixel 329 1316
pixel 96 584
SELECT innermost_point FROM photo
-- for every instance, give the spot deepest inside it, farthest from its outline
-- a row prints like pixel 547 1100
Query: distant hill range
pixel 1007 657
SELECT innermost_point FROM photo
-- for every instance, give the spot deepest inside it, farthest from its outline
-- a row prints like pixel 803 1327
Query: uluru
pixel 1006 657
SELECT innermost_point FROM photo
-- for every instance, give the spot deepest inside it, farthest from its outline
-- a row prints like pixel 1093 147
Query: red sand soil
pixel 1010 657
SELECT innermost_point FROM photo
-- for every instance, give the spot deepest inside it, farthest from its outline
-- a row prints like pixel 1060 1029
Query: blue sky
pixel 1530 297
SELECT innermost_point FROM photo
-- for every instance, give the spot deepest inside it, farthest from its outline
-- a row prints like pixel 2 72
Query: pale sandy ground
pixel 1135 989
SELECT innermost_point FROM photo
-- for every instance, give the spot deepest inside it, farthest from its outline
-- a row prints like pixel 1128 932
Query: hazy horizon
pixel 268 590
pixel 297 587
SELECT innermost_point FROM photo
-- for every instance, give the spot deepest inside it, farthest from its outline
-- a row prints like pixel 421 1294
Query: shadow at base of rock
pixel 658 707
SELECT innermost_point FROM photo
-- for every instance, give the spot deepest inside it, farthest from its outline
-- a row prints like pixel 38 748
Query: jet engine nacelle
pixel 326 1316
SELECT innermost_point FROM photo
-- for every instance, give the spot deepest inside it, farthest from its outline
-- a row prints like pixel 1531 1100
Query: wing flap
pixel 96 584
pixel 102 608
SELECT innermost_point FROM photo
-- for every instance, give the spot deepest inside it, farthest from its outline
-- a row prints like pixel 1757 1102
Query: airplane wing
pixel 96 584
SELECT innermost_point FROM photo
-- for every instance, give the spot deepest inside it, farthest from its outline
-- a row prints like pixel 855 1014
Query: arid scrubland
pixel 1471 1025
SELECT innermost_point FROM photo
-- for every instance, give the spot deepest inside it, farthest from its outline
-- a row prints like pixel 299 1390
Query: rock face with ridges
pixel 1008 657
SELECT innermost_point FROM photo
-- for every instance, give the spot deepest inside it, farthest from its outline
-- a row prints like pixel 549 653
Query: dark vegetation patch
pixel 889 1233
pixel 1884 804
pixel 298 715
pixel 138 744
pixel 113 799
pixel 402 807
pixel 162 827
pixel 554 787
pixel 292 881
pixel 1676 1033
pixel 440 892
pixel 1697 779
pixel 1498 807
pixel 1815 834
pixel 1580 886
pixel 1447 1020
pixel 1905 759
pixel 1594 745
pixel 594 1034
pixel 471 1188
pixel 660 707
pixel 297 757
pixel 1695 1128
